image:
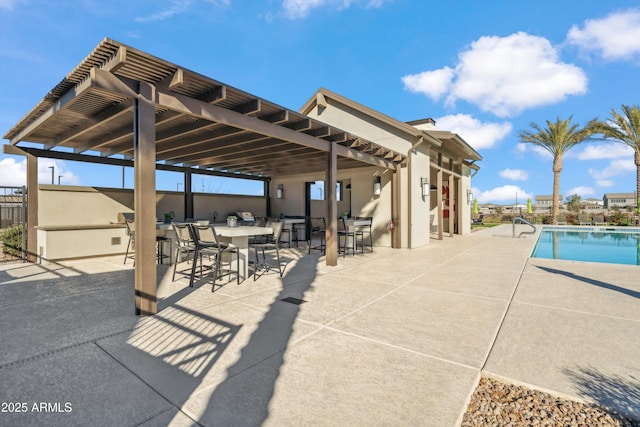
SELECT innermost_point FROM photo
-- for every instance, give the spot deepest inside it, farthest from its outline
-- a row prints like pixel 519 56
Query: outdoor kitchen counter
pixel 58 242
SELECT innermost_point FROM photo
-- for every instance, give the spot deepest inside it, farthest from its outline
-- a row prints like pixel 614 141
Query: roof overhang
pixel 453 143
pixel 199 122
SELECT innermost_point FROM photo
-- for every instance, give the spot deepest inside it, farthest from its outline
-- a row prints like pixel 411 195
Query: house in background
pixel 544 204
pixel 592 206
pixel 620 200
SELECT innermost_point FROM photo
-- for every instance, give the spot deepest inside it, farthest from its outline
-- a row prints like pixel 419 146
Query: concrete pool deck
pixel 394 337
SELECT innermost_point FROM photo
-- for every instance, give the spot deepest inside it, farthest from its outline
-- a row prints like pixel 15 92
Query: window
pixel 317 190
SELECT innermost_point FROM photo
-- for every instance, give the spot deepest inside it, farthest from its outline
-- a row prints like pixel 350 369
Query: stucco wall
pixel 75 221
pixel 358 123
pixel 363 201
pixel 420 205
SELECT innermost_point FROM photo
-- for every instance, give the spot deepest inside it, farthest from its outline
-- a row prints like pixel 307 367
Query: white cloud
pixel 582 191
pixel 614 168
pixel 506 75
pixel 541 152
pixel 175 7
pixel 14 174
pixel 8 4
pixel 514 174
pixel 434 83
pixel 605 183
pixel 605 151
pixel 506 193
pixel 478 134
pixel 298 9
pixel 614 37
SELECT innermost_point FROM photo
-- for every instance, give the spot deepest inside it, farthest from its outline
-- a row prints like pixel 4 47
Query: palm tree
pixel 625 129
pixel 557 139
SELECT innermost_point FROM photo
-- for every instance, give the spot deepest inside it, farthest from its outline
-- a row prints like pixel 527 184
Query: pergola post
pixel 331 251
pixel 145 201
pixel 32 208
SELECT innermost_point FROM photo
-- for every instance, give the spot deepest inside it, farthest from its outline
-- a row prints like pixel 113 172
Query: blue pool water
pixel 612 246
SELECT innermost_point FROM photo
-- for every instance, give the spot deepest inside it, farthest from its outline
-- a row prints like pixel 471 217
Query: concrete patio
pixel 394 337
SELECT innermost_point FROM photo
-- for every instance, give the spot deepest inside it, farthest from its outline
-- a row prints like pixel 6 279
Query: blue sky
pixel 483 69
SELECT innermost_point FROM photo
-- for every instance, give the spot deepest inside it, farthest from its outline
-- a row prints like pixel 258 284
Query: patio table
pixel 293 224
pixel 352 225
pixel 239 237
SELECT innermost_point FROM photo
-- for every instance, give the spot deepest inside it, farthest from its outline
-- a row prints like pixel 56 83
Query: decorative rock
pixel 496 403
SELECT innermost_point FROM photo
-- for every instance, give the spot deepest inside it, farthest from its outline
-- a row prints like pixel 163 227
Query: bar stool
pixel 206 242
pixel 160 242
pixel 344 232
pixel 365 229
pixel 318 227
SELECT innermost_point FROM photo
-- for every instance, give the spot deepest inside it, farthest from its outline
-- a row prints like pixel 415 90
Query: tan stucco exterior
pixel 419 213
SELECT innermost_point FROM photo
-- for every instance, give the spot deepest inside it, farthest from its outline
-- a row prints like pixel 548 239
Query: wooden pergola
pixel 121 105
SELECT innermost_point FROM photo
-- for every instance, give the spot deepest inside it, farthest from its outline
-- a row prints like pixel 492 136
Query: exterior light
pixel 424 185
pixel 280 191
pixel 377 186
pixel 469 196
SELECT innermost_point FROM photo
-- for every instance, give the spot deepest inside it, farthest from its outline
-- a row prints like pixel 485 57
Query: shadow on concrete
pixel 590 281
pixel 619 395
pixel 21 270
pixel 243 399
pixel 57 321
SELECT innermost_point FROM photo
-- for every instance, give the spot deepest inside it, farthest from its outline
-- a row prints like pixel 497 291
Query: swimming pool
pixel 593 244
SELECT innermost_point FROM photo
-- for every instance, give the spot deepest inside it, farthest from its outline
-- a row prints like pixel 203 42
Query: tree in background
pixel 624 128
pixel 557 138
pixel 573 203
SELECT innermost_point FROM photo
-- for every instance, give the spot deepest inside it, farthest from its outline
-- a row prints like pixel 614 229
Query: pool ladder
pixel 523 221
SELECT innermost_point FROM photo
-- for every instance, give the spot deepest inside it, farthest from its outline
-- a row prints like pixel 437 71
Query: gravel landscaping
pixel 498 404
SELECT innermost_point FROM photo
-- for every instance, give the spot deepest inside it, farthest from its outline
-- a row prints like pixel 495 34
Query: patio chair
pixel 599 220
pixel 478 221
pixel 186 245
pixel 270 243
pixel 160 242
pixel 206 243
pixel 345 236
pixel 583 219
pixel 285 233
pixel 561 219
pixel 318 227
pixel 365 230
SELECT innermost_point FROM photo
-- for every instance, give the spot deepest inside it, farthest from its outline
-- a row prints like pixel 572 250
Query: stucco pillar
pixel 452 206
pixel 145 201
pixel 32 208
pixel 439 202
pixel 396 201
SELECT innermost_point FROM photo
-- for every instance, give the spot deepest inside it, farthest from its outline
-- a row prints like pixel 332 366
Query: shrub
pixel 12 240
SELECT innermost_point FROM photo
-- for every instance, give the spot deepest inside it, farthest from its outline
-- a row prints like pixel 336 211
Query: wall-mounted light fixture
pixel 280 191
pixel 469 196
pixel 377 186
pixel 424 185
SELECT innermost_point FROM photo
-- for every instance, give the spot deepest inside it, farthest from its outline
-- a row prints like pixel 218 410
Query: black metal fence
pixel 13 216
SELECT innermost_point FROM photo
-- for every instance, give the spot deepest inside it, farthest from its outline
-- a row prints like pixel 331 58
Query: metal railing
pixel 523 221
pixel 13 216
